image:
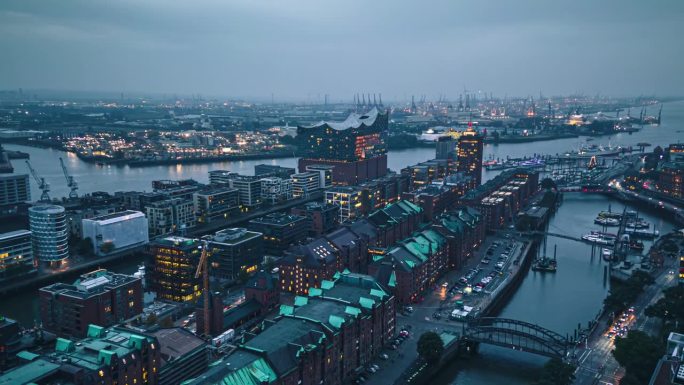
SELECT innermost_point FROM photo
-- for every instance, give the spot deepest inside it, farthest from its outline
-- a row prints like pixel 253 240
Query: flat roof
pixel 176 342
pixel 14 234
pixel 29 373
pixel 117 217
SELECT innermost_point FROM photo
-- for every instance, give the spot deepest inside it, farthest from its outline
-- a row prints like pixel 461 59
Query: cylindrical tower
pixel 49 232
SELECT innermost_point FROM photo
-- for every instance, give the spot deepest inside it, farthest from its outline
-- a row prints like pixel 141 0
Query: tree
pixel 623 294
pixel 430 347
pixel 638 353
pixel 556 372
pixel 107 247
pixel 670 308
pixel 548 184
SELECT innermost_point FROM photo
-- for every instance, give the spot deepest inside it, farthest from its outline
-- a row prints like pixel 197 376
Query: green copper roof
pixel 377 257
pixel 366 302
pixel 64 345
pixel 286 310
pixel 315 292
pixel 392 279
pixel 410 264
pixel 346 271
pixel 327 285
pixel 300 301
pixel 336 275
pixel 335 321
pixel 351 310
pixel 28 356
pixel 258 372
pixel 95 331
pixel 435 237
pixel 105 356
pixel 136 341
pixel 411 205
pixel 377 293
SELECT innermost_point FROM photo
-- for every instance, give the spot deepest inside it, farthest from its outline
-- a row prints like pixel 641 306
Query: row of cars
pixel 622 324
pixel 372 368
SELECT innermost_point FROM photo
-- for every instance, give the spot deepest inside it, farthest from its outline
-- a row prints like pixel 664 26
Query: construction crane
pixel 71 182
pixel 43 185
pixel 203 270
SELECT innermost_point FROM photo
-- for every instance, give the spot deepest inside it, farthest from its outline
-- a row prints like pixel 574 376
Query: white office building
pixel 116 232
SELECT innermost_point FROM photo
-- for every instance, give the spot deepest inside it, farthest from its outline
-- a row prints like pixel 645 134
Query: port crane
pixel 203 270
pixel 71 182
pixel 43 185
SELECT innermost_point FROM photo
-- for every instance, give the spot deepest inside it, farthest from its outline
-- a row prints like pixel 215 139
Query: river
pixel 559 302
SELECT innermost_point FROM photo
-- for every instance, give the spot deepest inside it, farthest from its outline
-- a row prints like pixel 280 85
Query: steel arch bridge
pixel 520 335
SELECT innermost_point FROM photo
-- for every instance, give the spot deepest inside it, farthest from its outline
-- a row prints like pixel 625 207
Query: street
pixel 596 364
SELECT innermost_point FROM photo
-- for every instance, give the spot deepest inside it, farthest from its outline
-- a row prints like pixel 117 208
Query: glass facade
pixel 50 233
pixel 470 148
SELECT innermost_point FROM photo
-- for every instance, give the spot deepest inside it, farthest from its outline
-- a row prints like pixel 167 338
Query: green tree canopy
pixel 670 308
pixel 556 372
pixel 638 353
pixel 548 184
pixel 624 294
pixel 430 347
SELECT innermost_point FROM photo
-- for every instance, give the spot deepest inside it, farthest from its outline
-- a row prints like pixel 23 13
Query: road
pixel 596 364
pixel 439 300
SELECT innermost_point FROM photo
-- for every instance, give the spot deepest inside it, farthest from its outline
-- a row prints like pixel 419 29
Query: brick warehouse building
pixel 100 298
pixel 324 338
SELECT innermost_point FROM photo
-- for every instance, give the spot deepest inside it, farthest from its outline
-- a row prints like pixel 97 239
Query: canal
pixel 556 301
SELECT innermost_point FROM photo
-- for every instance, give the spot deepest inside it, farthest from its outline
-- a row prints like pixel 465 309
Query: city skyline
pixel 259 51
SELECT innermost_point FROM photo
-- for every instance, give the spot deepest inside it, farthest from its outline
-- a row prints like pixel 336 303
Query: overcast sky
pixel 302 49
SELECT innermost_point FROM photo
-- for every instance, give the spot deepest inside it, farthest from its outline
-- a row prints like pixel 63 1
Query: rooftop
pixel 234 236
pixel 354 120
pixel 117 217
pixel 90 284
pixel 176 342
pixel 278 219
pixel 14 234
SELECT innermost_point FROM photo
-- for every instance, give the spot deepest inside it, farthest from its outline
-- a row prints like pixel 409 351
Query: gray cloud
pixel 300 49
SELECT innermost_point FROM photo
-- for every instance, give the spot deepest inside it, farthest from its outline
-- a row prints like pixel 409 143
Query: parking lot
pixel 434 313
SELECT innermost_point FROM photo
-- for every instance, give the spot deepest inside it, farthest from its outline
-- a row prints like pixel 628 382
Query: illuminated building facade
pixel 215 203
pixel 671 179
pixel 233 251
pixel 349 200
pixel 305 266
pixel 173 267
pixel 470 149
pixel 16 254
pixel 355 147
pixel 170 215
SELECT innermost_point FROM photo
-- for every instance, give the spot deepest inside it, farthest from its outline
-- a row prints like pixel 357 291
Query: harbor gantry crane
pixel 203 270
pixel 43 185
pixel 71 182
